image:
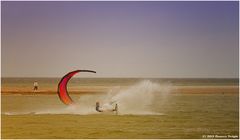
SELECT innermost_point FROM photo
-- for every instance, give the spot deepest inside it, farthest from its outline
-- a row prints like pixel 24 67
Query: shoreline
pixel 100 90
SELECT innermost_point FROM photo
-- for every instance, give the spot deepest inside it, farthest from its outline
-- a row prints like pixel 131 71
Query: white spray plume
pixel 139 98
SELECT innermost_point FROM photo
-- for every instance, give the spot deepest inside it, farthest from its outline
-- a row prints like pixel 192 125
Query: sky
pixel 120 39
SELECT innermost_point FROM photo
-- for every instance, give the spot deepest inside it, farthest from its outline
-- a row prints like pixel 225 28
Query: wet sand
pixel 105 89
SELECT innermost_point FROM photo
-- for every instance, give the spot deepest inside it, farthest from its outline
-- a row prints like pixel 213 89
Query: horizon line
pixel 136 77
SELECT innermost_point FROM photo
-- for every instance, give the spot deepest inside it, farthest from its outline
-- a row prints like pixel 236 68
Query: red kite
pixel 62 86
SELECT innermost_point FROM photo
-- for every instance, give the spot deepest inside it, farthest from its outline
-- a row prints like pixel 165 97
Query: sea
pixel 182 115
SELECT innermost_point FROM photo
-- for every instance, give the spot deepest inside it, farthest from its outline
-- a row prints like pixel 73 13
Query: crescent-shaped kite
pixel 62 86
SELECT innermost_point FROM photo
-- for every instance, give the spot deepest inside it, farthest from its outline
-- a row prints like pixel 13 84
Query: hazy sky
pixel 120 39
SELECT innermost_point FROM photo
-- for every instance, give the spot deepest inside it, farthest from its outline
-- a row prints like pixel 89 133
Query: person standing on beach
pixel 35 86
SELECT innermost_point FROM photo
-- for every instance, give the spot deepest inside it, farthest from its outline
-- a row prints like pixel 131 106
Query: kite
pixel 62 86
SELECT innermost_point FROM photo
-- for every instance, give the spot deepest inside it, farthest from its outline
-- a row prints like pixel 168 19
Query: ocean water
pixel 178 116
pixel 147 108
pixel 145 91
pixel 127 98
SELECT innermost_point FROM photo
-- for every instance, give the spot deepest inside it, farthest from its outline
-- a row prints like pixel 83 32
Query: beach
pixel 152 108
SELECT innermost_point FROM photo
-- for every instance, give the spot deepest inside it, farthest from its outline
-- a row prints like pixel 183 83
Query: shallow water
pixel 182 116
pixel 147 109
pixel 215 103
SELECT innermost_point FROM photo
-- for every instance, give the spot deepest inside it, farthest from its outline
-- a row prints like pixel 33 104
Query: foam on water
pixel 137 99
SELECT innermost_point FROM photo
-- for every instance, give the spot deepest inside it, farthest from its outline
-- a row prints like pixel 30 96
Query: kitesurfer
pixel 98 107
pixel 101 110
